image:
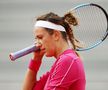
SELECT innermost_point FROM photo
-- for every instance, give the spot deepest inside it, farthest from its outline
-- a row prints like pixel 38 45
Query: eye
pixel 38 37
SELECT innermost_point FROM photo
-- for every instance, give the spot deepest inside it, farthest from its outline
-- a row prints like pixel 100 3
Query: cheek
pixel 50 48
pixel 47 42
pixel 51 45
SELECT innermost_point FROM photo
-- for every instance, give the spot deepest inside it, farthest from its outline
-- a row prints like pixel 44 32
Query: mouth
pixel 43 49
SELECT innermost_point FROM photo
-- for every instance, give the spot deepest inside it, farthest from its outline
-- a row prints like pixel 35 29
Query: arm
pixel 59 75
pixel 67 74
pixel 30 77
pixel 30 80
pixel 63 75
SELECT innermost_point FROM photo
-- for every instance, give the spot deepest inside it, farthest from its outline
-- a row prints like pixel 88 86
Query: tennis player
pixel 54 35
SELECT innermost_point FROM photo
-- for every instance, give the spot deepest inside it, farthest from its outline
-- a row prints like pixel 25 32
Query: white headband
pixel 47 24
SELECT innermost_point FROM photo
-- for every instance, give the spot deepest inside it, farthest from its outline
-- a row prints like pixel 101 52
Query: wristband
pixel 34 66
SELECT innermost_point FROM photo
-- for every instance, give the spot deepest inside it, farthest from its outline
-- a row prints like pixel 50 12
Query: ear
pixel 56 35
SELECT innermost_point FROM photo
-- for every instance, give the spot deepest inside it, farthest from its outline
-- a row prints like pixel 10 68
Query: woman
pixel 54 35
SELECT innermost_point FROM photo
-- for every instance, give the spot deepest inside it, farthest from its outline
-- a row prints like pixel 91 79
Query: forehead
pixel 39 30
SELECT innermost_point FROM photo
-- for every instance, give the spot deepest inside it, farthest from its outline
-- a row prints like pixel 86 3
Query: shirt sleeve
pixel 41 82
pixel 64 74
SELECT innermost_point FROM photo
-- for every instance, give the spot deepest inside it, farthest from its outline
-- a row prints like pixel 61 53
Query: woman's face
pixel 45 41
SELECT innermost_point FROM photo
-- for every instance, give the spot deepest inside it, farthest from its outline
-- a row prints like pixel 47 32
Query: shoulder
pixel 67 58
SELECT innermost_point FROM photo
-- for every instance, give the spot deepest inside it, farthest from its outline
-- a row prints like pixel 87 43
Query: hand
pixel 37 55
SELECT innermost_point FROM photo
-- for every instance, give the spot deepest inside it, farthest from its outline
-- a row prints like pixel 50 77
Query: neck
pixel 62 46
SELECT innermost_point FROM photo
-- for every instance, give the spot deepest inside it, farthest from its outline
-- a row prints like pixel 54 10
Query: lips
pixel 42 48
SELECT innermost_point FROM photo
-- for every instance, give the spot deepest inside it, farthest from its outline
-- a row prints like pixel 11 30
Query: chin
pixel 48 55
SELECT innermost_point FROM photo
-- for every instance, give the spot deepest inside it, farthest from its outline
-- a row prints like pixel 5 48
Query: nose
pixel 38 44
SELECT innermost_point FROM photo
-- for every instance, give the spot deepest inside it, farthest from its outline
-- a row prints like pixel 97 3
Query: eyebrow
pixel 38 36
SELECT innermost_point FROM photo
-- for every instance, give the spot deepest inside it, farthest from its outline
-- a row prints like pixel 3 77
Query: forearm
pixel 30 80
pixel 30 77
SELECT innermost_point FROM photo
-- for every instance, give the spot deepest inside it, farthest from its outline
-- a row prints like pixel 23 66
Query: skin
pixel 50 45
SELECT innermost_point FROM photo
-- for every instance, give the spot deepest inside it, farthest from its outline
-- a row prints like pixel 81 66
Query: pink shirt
pixel 67 73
